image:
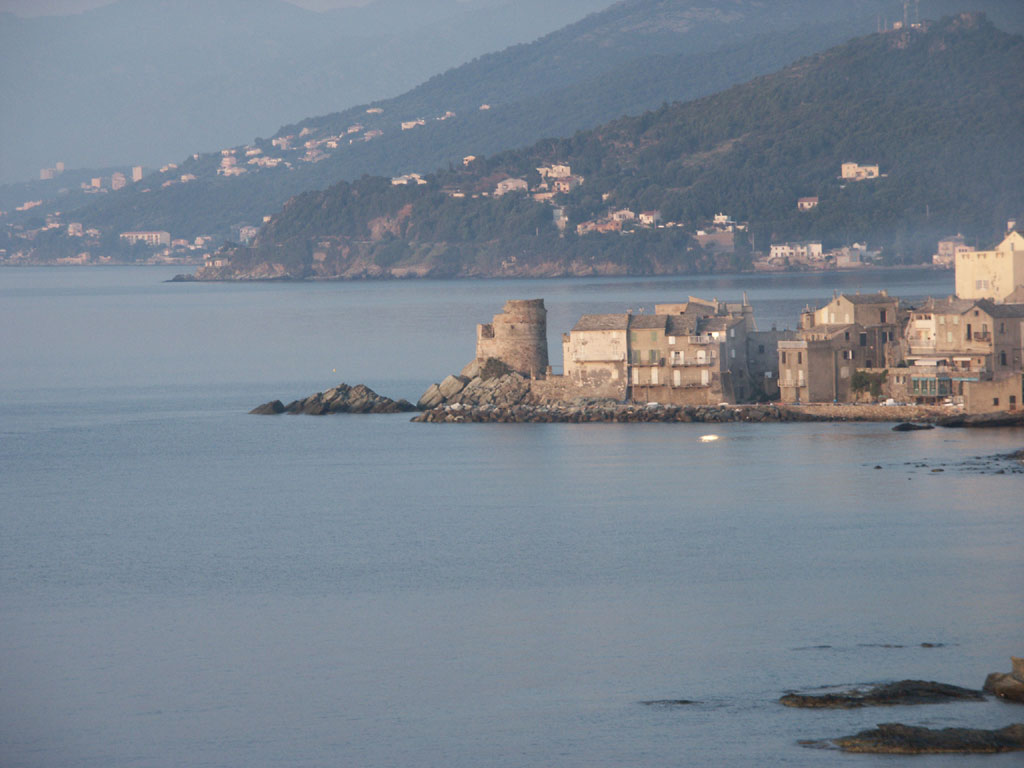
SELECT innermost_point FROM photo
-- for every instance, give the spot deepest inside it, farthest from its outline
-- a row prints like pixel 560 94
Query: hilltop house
pixel 510 185
pixel 855 172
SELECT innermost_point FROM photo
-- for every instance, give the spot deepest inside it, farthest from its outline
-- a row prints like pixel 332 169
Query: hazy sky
pixel 57 7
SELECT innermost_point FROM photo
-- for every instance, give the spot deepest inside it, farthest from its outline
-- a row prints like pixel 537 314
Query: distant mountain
pixel 939 109
pixel 144 82
pixel 633 56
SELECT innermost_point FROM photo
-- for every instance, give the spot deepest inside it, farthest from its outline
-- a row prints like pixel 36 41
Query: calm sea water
pixel 184 584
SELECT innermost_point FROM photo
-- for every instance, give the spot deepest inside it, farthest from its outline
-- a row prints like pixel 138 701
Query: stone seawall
pixel 597 412
pixel 621 413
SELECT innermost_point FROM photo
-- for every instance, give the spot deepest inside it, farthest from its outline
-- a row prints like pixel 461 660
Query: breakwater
pixel 622 413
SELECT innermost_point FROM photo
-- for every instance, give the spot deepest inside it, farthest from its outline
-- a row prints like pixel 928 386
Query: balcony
pixel 983 336
pixel 706 338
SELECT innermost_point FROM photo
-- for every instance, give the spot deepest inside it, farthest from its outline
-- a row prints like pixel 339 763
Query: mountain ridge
pixel 905 100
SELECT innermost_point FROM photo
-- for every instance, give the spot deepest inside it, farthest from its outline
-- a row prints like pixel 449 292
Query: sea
pixel 185 584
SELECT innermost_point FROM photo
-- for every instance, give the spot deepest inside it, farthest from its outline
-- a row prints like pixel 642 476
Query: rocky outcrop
pixel 488 383
pixel 340 399
pixel 903 692
pixel 909 426
pixel 1008 686
pixel 899 739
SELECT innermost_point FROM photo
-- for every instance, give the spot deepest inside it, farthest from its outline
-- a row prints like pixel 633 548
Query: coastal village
pixel 964 352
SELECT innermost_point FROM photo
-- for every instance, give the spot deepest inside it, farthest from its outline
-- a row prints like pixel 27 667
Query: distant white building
pixel 855 172
pixel 406 179
pixel 511 185
pixel 408 125
pixel 150 238
pixel 796 251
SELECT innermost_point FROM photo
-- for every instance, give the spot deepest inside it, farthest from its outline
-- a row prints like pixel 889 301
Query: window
pixel 1002 327
pixel 671 339
pixel 732 354
pixel 844 372
pixel 1013 402
pixel 1002 358
pixel 652 355
pixel 654 375
pixel 847 354
pixel 863 339
pixel 799 358
pixel 846 336
pixel 634 337
pixel 881 316
pixel 956 320
pixel 636 375
pixel 782 357
pixel 995 401
pixel 654 337
pixel 949 336
pixel 760 349
pixel 732 333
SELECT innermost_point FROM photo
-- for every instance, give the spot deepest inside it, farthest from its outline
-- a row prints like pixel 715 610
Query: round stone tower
pixel 517 337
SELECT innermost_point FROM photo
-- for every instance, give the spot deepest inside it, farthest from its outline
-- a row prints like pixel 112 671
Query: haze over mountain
pixel 939 109
pixel 152 81
pixel 631 57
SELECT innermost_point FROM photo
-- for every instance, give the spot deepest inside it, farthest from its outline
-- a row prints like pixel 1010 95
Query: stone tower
pixel 517 337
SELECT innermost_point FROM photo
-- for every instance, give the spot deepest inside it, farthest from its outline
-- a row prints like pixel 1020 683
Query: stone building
pixel 852 331
pixel 953 342
pixel 689 353
pixel 994 274
pixel 517 337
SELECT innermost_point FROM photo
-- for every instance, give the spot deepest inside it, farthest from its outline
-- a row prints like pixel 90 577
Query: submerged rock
pixel 899 739
pixel 891 694
pixel 340 399
pixel 909 426
pixel 668 703
pixel 1008 686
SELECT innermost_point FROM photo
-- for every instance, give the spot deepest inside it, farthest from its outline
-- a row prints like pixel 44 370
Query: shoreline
pixel 622 413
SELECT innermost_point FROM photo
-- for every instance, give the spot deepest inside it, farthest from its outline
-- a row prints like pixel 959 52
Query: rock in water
pixel 903 692
pixel 340 399
pixel 908 426
pixel 1008 686
pixel 899 739
pixel 272 408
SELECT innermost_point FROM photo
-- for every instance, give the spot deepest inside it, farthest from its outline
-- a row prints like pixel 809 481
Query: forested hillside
pixel 940 110
pixel 630 58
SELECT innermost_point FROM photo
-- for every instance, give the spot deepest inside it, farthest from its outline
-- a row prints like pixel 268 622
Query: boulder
pixel 472 370
pixel 431 398
pixel 908 426
pixel 899 739
pixel 1008 686
pixel 451 386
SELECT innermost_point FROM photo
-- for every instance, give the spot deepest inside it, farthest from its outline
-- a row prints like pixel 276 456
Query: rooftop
pixel 616 322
